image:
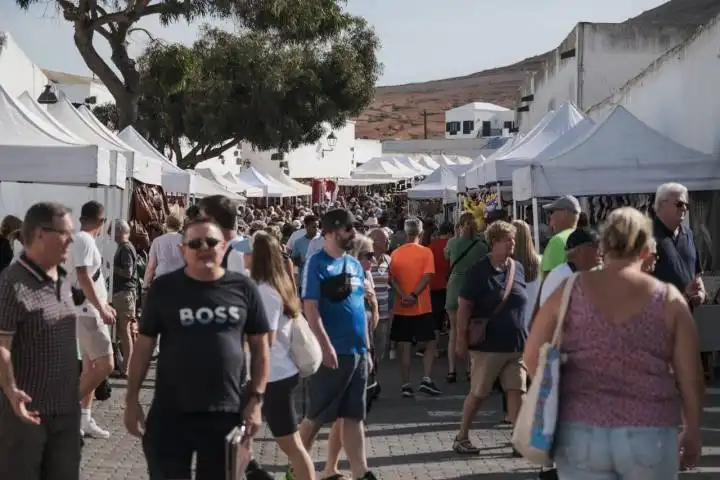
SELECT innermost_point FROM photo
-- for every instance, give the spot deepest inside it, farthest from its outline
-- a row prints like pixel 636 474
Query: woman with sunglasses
pixel 282 307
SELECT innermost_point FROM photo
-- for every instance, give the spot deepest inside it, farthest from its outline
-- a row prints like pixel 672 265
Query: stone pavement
pixel 407 439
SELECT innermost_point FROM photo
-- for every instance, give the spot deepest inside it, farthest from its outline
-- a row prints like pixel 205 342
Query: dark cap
pixel 566 202
pixel 337 219
pixel 582 236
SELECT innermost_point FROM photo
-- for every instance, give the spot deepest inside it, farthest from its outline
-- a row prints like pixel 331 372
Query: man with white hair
pixel 125 285
pixel 678 261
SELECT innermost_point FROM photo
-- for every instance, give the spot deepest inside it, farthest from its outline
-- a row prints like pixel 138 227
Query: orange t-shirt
pixel 442 265
pixel 408 263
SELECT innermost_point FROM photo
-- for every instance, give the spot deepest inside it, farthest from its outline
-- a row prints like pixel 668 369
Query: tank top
pixel 618 375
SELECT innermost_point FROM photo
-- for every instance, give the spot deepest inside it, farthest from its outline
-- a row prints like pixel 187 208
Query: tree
pixel 114 21
pixel 254 87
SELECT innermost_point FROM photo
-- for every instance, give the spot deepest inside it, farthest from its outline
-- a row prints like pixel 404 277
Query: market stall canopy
pixel 50 123
pixel 299 188
pixel 269 186
pixel 144 169
pixel 563 120
pixel 473 177
pixel 509 145
pixel 461 160
pixel 33 151
pixel 174 178
pixel 427 162
pixel 359 182
pixel 412 165
pixel 441 184
pixel 383 168
pixel 621 155
pixel 230 184
pixel 443 160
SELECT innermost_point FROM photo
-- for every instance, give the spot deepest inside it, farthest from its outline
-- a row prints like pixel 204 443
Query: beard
pixel 345 243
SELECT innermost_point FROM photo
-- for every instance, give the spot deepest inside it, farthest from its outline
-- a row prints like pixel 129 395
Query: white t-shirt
pixel 315 245
pixel 553 280
pixel 281 364
pixel 85 253
pixel 236 258
pixel 167 253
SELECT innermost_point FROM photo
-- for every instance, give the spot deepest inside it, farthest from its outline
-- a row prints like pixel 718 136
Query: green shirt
pixel 555 253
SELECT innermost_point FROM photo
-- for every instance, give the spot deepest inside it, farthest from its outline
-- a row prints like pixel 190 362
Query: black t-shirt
pixel 202 326
pixel 125 259
pixel 484 286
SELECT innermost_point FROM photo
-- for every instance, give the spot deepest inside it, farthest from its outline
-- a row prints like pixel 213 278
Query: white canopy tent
pixel 509 145
pixel 49 122
pixel 382 168
pixel 144 169
pixel 427 162
pixel 252 191
pixel 621 155
pixel 230 184
pixel 442 184
pixel 443 160
pixel 174 178
pixel 32 151
pixel 269 186
pixel 364 182
pixel 300 188
pixel 565 119
pixel 413 165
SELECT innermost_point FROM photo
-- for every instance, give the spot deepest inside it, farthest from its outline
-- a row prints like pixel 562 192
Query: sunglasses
pixel 197 243
pixel 681 204
pixel 367 255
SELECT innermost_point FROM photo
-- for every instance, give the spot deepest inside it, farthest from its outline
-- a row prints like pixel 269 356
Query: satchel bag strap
pixel 508 287
pixel 462 255
pixel 562 312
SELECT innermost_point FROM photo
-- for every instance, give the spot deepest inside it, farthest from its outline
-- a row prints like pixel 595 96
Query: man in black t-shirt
pixel 124 298
pixel 203 315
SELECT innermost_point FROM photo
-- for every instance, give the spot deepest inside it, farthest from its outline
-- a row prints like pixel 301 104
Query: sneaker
pixel 465 447
pixel 549 474
pixel 420 353
pixel 92 430
pixel 428 387
pixel 407 391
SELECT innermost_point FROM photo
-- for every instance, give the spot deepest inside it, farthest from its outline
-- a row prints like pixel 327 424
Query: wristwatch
pixel 259 396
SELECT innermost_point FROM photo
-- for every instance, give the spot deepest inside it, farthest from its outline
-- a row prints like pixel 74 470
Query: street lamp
pixel 331 141
pixel 47 97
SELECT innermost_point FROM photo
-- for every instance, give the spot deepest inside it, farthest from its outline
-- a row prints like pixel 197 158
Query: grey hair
pixel 668 190
pixel 122 227
pixel 360 244
pixel 413 227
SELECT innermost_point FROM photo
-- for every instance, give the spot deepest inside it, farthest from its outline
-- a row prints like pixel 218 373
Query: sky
pixel 421 39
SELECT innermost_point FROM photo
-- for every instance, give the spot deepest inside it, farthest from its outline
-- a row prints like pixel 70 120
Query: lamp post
pixel 47 97
pixel 331 142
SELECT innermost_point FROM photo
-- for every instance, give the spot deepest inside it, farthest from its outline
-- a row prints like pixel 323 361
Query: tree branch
pixel 202 152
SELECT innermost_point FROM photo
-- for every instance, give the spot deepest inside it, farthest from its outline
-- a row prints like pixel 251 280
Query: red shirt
pixel 442 265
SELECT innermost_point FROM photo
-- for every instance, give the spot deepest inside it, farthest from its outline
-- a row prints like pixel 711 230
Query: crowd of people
pixel 215 301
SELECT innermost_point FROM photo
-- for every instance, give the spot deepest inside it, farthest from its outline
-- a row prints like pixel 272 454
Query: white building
pixel 477 119
pixel 464 147
pixel 80 89
pixel 677 93
pixel 592 62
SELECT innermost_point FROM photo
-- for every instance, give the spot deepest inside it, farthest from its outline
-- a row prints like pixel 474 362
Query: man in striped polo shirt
pixel 40 400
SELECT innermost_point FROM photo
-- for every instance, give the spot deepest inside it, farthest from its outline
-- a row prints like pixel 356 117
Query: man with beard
pixel 334 302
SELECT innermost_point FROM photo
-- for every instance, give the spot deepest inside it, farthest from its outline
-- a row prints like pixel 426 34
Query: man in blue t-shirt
pixel 334 302
pixel 300 247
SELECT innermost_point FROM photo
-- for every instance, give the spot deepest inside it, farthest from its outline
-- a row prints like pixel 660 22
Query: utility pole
pixel 425 123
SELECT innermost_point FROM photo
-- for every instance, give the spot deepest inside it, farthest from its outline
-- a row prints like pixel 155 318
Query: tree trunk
pixel 127 108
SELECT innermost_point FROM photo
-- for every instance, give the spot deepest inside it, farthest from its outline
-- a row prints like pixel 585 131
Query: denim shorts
pixel 584 452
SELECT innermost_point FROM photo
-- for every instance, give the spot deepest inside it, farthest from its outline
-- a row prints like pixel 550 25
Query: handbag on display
pixel 478 326
pixel 536 424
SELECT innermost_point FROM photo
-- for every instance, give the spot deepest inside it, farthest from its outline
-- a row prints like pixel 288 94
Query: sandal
pixel 465 447
pixel 451 377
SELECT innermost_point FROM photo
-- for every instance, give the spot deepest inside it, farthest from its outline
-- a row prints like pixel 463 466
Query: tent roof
pixel 33 151
pixel 620 155
pixel 427 162
pixel 442 183
pixel 288 181
pixel 229 184
pixel 269 186
pixel 49 122
pixel 382 168
pixel 134 140
pixel 413 165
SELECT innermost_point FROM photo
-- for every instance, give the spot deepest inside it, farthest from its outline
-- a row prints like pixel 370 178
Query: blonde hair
pixel 498 231
pixel 361 244
pixel 174 221
pixel 467 219
pixel 268 266
pixel 625 233
pixel 525 250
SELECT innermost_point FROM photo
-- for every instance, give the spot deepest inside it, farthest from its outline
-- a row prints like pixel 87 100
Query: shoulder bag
pixel 478 326
pixel 305 349
pixel 535 427
pixel 462 255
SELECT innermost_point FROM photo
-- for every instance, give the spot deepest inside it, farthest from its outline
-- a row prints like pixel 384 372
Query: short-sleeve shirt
pixel 555 253
pixel 281 364
pixel 202 328
pixel 408 264
pixel 344 321
pixel 380 271
pixel 484 287
pixel 85 253
pixel 678 260
pixel 165 249
pixel 125 259
pixel 300 250
pixel 442 265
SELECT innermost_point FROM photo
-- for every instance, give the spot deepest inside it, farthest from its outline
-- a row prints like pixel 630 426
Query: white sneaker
pixel 92 429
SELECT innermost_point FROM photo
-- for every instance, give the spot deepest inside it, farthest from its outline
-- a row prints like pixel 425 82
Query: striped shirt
pixel 39 314
pixel 381 278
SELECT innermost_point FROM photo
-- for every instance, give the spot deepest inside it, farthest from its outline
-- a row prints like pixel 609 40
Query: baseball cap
pixel 582 236
pixel 336 219
pixel 566 202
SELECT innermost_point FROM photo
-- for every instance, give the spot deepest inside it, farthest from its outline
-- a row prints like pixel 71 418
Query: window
pixel 468 126
pixel 452 127
pixel 486 129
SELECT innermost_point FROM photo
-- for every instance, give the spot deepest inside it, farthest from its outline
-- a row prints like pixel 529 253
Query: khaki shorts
pixel 486 367
pixel 94 337
pixel 124 304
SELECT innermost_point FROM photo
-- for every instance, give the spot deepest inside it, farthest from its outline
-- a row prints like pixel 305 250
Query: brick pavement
pixel 407 439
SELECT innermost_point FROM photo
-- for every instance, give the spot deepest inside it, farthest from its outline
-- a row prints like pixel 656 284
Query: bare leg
pixel 404 351
pixel 300 461
pixel 335 444
pixel 354 440
pixel 470 408
pixel 308 432
pixel 452 314
pixel 514 402
pixel 429 358
pixel 93 374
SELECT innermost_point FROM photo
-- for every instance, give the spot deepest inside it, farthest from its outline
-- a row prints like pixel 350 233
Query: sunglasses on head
pixel 197 243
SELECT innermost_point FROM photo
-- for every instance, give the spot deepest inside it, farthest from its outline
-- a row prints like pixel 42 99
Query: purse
pixel 478 326
pixel 535 427
pixel 338 287
pixel 305 349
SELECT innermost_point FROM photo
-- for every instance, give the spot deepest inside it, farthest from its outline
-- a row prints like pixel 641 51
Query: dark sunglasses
pixel 367 255
pixel 681 204
pixel 197 243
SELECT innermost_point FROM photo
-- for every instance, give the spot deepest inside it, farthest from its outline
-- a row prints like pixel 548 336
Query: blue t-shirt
pixel 241 244
pixel 344 321
pixel 300 248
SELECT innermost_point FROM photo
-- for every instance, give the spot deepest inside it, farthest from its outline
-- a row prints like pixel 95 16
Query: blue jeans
pixel 584 452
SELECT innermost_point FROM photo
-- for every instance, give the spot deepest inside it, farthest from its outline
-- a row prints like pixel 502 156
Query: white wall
pixel 78 92
pixel 366 149
pixel 17 72
pixel 677 94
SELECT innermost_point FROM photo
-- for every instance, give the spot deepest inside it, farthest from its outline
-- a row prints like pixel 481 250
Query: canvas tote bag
pixel 536 423
pixel 305 349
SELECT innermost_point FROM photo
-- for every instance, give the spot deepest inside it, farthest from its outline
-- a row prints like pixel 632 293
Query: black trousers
pixel 49 451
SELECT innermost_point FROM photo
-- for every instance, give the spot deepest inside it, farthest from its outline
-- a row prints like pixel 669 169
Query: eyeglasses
pixel 682 205
pixel 197 243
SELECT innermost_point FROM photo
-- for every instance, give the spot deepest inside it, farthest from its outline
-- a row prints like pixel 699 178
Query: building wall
pixel 17 72
pixel 78 92
pixel 466 147
pixel 607 55
pixel 477 116
pixel 366 149
pixel 677 94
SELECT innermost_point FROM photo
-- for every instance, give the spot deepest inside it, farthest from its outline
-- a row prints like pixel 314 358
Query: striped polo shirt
pixel 39 314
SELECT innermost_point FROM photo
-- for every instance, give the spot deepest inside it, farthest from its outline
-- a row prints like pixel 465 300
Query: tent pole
pixel 536 224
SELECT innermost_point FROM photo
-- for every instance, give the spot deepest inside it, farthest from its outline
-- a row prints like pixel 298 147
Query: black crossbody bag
pixel 462 255
pixel 78 295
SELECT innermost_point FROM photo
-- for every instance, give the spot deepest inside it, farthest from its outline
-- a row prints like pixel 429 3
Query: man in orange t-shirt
pixel 411 269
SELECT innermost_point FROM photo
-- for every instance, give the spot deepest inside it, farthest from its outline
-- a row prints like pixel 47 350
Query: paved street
pixel 407 439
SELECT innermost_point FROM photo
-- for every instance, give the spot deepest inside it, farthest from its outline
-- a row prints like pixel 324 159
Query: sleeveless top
pixel 618 375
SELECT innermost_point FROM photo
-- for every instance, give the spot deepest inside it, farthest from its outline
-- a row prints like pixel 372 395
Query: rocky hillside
pixel 397 111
